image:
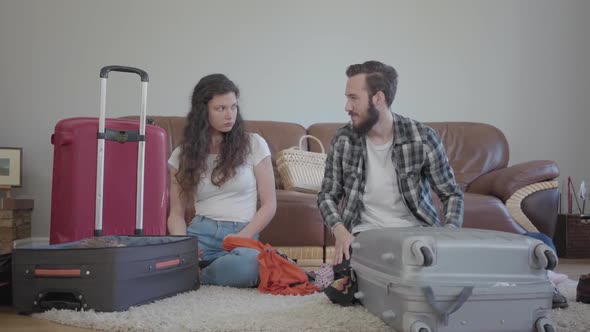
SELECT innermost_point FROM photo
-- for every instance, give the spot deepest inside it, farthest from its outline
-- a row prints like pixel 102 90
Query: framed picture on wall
pixel 11 167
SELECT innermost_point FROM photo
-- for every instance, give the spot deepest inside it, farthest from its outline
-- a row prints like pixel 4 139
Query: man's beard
pixel 372 118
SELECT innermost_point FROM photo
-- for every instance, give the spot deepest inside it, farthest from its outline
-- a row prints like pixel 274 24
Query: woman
pixel 222 170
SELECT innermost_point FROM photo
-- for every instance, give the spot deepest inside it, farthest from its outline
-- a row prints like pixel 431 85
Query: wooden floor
pixel 574 268
pixel 10 321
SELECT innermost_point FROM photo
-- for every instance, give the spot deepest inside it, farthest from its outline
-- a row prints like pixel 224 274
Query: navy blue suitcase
pixel 112 274
pixel 106 273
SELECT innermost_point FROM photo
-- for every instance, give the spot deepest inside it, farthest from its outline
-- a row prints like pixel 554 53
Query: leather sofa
pixel 519 198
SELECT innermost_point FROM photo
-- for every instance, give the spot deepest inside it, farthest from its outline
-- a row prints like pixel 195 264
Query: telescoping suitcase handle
pixel 104 74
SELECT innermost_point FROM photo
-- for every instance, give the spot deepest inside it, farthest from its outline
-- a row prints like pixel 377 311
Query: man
pixel 383 166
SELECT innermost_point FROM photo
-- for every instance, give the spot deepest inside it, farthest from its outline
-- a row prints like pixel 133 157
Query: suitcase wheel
pixel 545 325
pixel 428 257
pixel 544 257
pixel 422 253
pixel 420 327
pixel 552 258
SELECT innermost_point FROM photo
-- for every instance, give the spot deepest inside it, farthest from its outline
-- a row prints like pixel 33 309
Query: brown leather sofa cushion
pixel 324 132
pixel 279 136
pixel 473 149
pixel 174 126
pixel 297 221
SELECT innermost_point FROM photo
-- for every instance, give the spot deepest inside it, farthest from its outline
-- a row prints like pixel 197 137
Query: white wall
pixel 519 65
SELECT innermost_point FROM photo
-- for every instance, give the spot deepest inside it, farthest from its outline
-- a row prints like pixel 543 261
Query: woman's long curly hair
pixel 235 145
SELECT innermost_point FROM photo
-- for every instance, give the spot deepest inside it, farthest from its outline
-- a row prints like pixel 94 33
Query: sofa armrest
pixel 504 182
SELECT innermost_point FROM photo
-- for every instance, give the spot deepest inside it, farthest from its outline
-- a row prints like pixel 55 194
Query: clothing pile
pixel 278 275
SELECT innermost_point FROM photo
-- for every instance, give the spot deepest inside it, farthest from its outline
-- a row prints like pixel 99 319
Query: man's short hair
pixel 380 77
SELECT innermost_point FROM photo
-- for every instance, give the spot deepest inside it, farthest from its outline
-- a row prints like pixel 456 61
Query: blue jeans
pixel 540 236
pixel 236 268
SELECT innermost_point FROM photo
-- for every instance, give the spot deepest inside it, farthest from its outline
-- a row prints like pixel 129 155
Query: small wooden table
pixel 15 221
pixel 572 236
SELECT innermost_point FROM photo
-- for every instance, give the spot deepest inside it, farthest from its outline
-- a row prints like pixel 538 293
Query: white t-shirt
pixel 236 199
pixel 382 199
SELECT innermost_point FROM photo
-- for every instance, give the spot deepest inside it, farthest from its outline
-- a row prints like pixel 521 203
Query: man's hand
pixel 342 246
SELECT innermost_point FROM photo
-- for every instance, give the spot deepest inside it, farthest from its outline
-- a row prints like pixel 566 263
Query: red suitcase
pixel 75 203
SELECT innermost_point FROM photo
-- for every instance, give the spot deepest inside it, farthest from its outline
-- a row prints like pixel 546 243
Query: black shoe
pixel 583 289
pixel 559 301
pixel 342 290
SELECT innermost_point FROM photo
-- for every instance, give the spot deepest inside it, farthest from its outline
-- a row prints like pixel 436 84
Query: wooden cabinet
pixel 572 236
pixel 15 221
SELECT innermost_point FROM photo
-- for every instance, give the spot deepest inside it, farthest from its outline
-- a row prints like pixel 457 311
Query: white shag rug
pixel 228 309
pixel 576 318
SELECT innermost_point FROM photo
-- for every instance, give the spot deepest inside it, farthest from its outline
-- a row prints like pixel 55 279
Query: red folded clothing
pixel 277 274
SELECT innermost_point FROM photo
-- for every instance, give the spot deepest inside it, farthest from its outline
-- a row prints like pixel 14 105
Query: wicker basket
pixel 302 170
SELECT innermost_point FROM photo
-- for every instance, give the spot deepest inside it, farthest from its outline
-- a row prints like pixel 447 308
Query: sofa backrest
pixel 174 126
pixel 473 149
pixel 278 135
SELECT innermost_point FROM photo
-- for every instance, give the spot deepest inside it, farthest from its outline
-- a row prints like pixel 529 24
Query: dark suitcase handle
pixel 57 273
pixel 60 272
pixel 104 72
pixel 167 264
pixel 60 300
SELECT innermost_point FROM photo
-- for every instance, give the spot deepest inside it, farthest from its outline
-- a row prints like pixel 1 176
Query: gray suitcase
pixel 429 279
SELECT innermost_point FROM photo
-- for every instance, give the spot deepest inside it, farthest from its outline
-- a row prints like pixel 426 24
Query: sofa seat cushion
pixel 297 221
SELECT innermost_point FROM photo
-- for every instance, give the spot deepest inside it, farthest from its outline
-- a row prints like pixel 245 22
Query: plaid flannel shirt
pixel 420 163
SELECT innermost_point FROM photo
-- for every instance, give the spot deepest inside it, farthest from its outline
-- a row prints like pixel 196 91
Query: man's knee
pixel 540 236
